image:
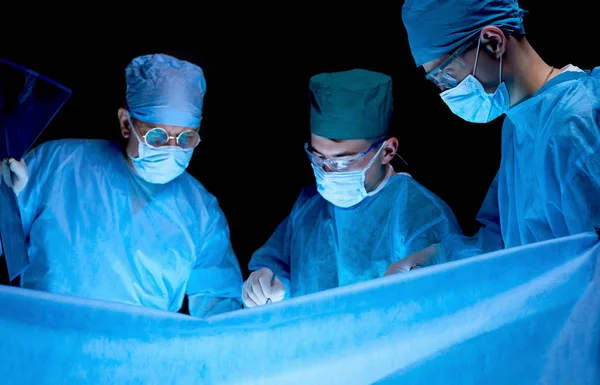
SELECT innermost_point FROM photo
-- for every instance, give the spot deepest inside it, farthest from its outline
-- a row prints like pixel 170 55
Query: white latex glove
pixel 14 174
pixel 257 288
pixel 431 255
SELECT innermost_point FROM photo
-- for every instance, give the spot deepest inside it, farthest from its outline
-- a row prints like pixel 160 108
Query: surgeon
pixel 548 184
pixel 361 216
pixel 131 226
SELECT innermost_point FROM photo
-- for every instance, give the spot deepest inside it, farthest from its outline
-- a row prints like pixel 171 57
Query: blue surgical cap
pixel 437 28
pixel 162 89
pixel 355 104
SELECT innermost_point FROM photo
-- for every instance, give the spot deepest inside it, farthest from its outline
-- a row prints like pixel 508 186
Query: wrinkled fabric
pixel 527 315
pixel 548 185
pixel 162 89
pixel 320 246
pixel 436 28
pixel 96 229
pixel 348 105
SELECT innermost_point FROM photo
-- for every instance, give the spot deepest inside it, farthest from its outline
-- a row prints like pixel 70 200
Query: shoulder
pixel 67 147
pixel 410 195
pixel 407 187
pixel 572 136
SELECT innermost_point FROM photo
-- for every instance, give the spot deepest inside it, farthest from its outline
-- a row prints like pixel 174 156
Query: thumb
pixel 5 168
pixel 277 290
pixel 18 168
pixel 396 268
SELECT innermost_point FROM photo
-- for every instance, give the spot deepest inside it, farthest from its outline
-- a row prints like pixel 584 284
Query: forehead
pixel 145 126
pixel 329 147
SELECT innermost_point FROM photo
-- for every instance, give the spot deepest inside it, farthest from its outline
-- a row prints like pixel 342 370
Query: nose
pixel 327 168
pixel 440 86
pixel 171 142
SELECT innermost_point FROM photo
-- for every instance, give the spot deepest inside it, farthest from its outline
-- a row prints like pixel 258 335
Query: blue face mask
pixel 469 100
pixel 159 165
pixel 346 189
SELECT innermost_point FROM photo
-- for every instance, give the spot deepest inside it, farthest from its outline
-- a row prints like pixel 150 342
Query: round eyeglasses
pixel 157 137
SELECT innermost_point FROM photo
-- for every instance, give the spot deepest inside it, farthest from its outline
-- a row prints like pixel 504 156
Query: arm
pixel 17 175
pixel 570 178
pixel 433 236
pixel 270 264
pixel 489 236
pixel 215 282
pixel 275 254
pixel 580 198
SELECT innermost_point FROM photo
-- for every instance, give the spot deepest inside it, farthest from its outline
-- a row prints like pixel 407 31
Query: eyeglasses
pixel 157 137
pixel 344 163
pixel 440 77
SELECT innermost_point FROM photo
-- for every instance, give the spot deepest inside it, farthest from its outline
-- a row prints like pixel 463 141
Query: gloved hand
pixel 431 255
pixel 258 288
pixel 14 174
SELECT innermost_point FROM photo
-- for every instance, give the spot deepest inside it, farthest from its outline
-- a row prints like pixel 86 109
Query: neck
pixel 528 72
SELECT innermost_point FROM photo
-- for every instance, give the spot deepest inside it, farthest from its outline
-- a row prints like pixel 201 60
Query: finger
pixel 247 289
pixel 394 268
pixel 18 168
pixel 247 300
pixel 277 291
pixel 257 290
pixel 6 173
pixel 264 280
pixel 250 291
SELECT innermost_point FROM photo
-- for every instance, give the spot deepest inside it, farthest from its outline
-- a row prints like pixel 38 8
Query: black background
pixel 257 61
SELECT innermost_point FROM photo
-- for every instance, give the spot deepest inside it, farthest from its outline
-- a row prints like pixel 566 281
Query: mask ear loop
pixel 477 60
pixel 476 56
pixel 401 158
pixel 500 76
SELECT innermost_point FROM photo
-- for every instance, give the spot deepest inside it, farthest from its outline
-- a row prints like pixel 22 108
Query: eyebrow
pixel 147 127
pixel 336 155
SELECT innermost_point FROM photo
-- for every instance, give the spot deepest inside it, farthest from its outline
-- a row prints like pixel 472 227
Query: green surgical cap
pixel 355 104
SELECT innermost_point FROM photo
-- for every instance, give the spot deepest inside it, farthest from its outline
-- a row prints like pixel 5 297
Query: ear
pixel 123 115
pixel 389 150
pixel 493 41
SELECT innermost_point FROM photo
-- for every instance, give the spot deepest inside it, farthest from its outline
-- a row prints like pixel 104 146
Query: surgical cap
pixel 437 28
pixel 162 89
pixel 355 104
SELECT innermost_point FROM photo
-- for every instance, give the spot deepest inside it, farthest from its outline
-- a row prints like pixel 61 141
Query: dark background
pixel 257 61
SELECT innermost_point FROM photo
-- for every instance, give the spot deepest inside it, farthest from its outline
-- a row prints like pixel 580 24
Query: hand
pixel 423 258
pixel 258 288
pixel 15 174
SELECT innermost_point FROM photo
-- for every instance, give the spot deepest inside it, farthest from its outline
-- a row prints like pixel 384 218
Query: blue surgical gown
pixel 548 184
pixel 95 229
pixel 321 246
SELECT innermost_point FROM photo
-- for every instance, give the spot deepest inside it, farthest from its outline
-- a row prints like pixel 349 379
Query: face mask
pixel 159 165
pixel 346 189
pixel 469 100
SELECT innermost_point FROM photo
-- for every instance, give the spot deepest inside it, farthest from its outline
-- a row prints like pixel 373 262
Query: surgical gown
pixel 548 184
pixel 95 229
pixel 321 246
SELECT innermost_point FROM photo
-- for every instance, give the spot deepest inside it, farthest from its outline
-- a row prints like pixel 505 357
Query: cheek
pixel 132 146
pixel 461 74
pixel 372 174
